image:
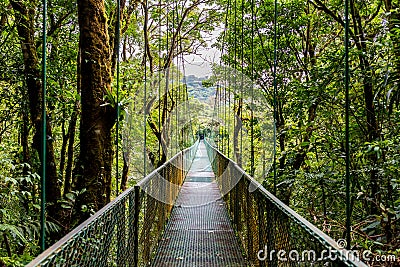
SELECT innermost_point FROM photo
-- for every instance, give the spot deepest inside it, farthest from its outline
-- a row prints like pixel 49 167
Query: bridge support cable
pixel 218 112
pixel 145 26
pixel 275 91
pixel 232 87
pixel 252 171
pixel 175 15
pixel 223 87
pixel 187 110
pixel 347 133
pixel 117 43
pixel 44 131
pixel 159 79
pixel 240 162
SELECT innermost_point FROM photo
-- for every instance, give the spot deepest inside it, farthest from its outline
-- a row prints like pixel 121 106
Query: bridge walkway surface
pixel 199 232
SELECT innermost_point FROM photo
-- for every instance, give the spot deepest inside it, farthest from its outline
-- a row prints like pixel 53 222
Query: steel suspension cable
pixel 252 93
pixel 44 131
pixel 275 91
pixel 177 98
pixel 167 69
pixel 223 108
pixel 241 87
pixel 347 132
pixel 159 80
pixel 172 80
pixel 117 43
pixel 220 115
pixel 145 91
pixel 234 81
pixel 182 93
pixel 186 98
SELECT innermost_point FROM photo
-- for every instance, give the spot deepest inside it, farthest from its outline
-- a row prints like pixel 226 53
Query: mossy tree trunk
pixel 98 113
pixel 25 15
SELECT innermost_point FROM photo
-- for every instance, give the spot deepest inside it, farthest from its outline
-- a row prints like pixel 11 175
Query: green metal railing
pixel 271 233
pixel 126 231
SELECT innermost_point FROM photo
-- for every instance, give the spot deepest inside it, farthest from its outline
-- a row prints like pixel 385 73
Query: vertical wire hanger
pixel 252 171
pixel 185 97
pixel 44 132
pixel 347 131
pixel 145 91
pixel 275 92
pixel 222 108
pixel 241 86
pixel 233 71
pixel 177 93
pixel 117 43
pixel 159 80
pixel 167 70
pixel 235 85
pixel 226 129
pixel 172 79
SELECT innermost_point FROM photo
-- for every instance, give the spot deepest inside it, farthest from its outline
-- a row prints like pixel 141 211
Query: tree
pixel 25 13
pixel 98 110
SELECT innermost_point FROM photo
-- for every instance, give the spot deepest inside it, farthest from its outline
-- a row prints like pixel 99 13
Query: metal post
pixel 131 248
pixel 136 226
pixel 122 249
pixel 44 134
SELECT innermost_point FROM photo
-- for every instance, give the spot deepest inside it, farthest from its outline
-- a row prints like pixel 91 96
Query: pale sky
pixel 200 64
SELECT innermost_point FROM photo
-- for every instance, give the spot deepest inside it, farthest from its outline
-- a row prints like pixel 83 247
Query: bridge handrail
pixel 121 216
pixel 254 186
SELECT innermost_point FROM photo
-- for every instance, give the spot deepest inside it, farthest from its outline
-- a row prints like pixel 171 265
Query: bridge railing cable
pixel 127 230
pixel 271 233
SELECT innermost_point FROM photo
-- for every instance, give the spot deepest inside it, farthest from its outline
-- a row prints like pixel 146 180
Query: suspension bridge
pixel 198 209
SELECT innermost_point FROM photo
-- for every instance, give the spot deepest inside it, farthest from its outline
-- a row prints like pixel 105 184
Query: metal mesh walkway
pixel 199 232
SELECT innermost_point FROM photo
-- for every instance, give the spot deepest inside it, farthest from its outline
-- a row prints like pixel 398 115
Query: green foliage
pixel 310 110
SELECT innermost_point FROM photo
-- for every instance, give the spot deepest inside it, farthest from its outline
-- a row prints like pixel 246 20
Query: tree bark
pixel 26 31
pixel 68 185
pixel 392 7
pixel 98 116
pixel 125 172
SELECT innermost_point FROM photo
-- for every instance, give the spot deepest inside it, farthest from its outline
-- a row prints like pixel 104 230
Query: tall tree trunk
pixel 98 116
pixel 25 151
pixel 68 185
pixel 125 172
pixel 371 118
pixel 357 33
pixel 392 7
pixel 26 31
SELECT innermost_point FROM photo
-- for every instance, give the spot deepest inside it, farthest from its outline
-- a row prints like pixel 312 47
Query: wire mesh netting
pixel 199 232
pixel 126 231
pixel 272 234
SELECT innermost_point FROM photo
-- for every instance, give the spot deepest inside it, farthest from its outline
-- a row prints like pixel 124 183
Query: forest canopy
pixel 98 68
